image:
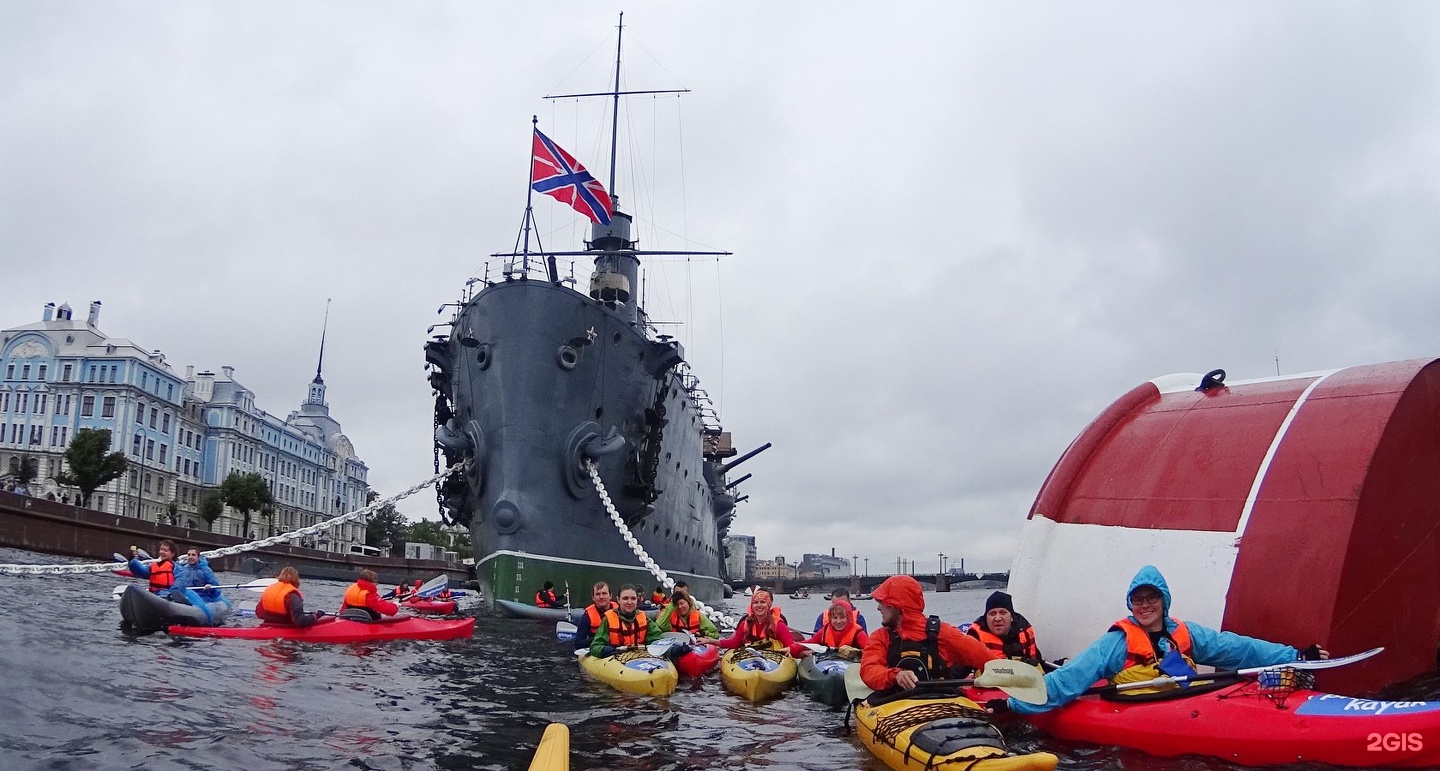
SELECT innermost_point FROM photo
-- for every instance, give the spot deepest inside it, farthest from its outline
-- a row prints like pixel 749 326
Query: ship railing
pixel 709 417
pixel 526 266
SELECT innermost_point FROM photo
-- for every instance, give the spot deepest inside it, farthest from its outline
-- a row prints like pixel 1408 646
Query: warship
pixel 535 378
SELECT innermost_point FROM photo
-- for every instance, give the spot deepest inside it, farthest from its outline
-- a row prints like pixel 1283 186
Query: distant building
pixel 740 557
pixel 772 569
pixel 180 436
pixel 825 565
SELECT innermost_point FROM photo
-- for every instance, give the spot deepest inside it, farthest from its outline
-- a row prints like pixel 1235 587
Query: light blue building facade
pixel 181 436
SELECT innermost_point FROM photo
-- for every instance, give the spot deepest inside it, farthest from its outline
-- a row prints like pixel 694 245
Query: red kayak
pixel 700 659
pixel 1245 724
pixel 430 606
pixel 340 630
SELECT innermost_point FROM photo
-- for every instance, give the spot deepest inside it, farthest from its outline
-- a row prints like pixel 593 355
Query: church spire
pixel 317 386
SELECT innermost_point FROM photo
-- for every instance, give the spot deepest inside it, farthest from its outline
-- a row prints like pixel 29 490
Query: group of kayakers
pixel 168 576
pixel 1145 645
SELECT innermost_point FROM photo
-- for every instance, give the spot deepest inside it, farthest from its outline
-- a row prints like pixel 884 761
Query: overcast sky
pixel 959 230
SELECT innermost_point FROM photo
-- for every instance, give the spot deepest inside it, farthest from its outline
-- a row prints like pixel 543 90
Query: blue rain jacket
pixel 1106 656
pixel 191 576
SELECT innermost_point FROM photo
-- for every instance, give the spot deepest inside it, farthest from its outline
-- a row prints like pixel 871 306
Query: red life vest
pixel 689 623
pixel 829 638
pixel 546 598
pixel 272 601
pixel 624 632
pixel 162 576
pixel 658 598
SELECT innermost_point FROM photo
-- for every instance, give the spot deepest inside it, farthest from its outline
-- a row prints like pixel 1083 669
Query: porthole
pixel 482 356
pixel 567 356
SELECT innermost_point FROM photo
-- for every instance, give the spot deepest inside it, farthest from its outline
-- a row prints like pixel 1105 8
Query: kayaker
pixel 546 597
pixel 281 602
pixel 624 626
pixel 681 616
pixel 840 631
pixel 911 647
pixel 593 615
pixel 161 572
pixel 658 597
pixel 193 572
pixel 1003 630
pixel 762 627
pixel 1148 644
pixel 365 595
pixel 840 595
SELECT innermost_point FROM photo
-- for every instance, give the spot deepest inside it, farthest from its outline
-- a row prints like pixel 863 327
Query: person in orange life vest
pixel 840 595
pixel 681 616
pixel 363 594
pixel 659 597
pixel 624 627
pixel 593 615
pixel 1004 630
pixel 547 598
pixel 161 572
pixel 911 647
pixel 762 627
pixel 1149 643
pixel 281 603
pixel 841 632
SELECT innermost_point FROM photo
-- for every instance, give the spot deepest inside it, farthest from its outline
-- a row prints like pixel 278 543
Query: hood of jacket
pixel 905 595
pixel 1150 576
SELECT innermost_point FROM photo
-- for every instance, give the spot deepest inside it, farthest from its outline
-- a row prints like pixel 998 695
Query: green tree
pixel 211 507
pixel 246 493
pixel 26 470
pixel 267 513
pixel 386 525
pixel 427 531
pixel 173 510
pixel 91 465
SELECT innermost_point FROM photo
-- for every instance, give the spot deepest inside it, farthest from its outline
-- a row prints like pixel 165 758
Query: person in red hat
pixel 910 646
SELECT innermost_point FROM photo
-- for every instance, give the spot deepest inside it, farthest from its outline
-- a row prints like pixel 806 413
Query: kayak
pixel 633 671
pixel 341 630
pixel 444 607
pixel 823 677
pixel 701 659
pixel 144 613
pixel 553 754
pixel 940 732
pixel 521 610
pixel 1247 724
pixel 756 675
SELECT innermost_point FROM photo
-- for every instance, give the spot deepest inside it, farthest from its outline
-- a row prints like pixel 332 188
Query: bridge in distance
pixel 941 582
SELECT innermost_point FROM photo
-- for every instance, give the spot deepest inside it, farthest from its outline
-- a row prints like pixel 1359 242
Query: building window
pixel 23 403
pixel 164 453
pixel 37 434
pixel 65 373
pixel 25 372
pixel 149 453
pixel 43 367
pixel 64 435
pixel 41 400
pixel 4 401
pixel 154 415
pixel 135 448
pixel 165 424
pixel 10 372
pixel 170 391
pixel 87 406
pixel 134 479
pixel 107 407
pixel 147 481
pixel 140 414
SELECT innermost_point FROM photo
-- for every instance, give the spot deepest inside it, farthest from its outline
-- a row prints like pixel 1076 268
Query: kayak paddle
pixel 1015 678
pixel 565 631
pixel 258 585
pixel 1236 674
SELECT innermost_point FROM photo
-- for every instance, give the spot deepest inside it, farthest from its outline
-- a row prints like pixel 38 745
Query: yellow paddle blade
pixel 1024 682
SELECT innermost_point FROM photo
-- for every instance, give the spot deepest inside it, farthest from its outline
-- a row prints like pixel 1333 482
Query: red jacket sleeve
pixel 380 605
pixel 873 667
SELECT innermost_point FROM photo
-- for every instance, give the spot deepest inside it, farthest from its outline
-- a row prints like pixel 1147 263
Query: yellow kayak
pixel 757 675
pixel 929 733
pixel 633 671
pixel 553 754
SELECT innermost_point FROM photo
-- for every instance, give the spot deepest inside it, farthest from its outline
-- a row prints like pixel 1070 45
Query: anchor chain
pixel 358 514
pixel 716 615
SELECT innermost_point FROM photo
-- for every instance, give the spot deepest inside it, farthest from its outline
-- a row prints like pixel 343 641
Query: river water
pixel 78 694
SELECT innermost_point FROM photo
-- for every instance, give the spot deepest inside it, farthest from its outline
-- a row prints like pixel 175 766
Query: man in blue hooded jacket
pixel 193 571
pixel 1149 643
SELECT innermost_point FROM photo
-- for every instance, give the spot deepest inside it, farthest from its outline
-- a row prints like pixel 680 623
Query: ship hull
pixel 541 379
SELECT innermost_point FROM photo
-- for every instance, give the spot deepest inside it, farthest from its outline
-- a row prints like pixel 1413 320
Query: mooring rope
pixel 716 615
pixel 361 513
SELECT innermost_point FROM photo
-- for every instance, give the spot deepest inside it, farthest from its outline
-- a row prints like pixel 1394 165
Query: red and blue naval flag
pixel 556 173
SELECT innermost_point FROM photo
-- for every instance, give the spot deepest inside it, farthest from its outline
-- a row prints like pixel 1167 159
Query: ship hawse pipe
pixel 747 456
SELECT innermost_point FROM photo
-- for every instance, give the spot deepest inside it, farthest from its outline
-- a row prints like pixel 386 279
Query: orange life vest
pixel 356 596
pixel 1023 648
pixel 162 575
pixel 754 637
pixel 689 623
pixel 658 598
pixel 829 638
pixel 1140 652
pixel 546 598
pixel 624 632
pixel 272 601
pixel 593 614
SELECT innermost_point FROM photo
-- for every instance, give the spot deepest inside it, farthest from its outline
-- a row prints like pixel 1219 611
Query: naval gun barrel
pixel 738 481
pixel 747 456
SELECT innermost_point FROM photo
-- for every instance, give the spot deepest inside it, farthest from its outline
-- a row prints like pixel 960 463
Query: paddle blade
pixel 814 647
pixel 1333 662
pixel 258 585
pixel 1015 678
pixel 119 590
pixel 565 631
pixel 434 585
pixel 855 688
